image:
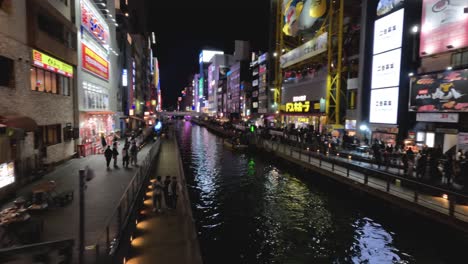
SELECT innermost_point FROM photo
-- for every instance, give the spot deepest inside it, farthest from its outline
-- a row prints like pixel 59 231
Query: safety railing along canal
pixel 105 248
pixel 448 203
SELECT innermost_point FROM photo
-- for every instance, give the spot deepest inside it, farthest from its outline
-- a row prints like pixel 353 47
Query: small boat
pixel 230 145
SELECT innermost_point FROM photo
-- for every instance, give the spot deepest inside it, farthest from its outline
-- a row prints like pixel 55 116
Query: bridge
pixel 180 113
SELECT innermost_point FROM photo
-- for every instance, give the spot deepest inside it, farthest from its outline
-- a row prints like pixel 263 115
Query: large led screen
pixel 388 32
pixel 444 26
pixel 442 92
pixel 386 69
pixel 384 106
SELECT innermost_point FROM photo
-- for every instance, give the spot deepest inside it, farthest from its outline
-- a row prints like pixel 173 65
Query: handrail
pixel 26 252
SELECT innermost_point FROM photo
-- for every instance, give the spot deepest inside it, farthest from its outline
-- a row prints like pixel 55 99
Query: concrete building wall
pixel 13 24
pixel 63 6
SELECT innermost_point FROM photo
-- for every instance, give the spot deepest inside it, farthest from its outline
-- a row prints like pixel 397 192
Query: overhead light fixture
pixel 449 46
pixel 449 68
pixel 116 24
pixel 275 54
pixel 103 4
pixel 415 29
pixel 410 74
pixel 126 14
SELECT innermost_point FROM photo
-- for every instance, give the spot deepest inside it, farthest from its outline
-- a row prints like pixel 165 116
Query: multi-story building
pixel 217 70
pixel 202 92
pixel 98 74
pixel 38 55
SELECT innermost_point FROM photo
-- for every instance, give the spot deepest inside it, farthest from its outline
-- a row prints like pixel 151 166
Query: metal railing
pixel 445 202
pixel 60 251
pixel 103 250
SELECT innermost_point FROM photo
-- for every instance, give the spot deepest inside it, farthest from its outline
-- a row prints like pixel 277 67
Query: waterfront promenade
pixel 168 236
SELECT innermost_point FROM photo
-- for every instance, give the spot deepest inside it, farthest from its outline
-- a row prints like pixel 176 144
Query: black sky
pixel 183 28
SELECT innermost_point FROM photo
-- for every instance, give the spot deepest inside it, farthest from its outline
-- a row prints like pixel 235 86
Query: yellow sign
pixel 46 62
pixel 298 107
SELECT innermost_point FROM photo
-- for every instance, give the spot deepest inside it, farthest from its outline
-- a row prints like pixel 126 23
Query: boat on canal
pixel 235 146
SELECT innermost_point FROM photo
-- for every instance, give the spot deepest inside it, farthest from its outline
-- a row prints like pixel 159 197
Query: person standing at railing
pixel 167 184
pixel 158 191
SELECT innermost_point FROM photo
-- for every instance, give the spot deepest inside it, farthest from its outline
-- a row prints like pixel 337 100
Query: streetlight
pixel 275 54
pixel 415 29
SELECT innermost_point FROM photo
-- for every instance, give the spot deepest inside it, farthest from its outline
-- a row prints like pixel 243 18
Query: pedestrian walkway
pixel 168 236
pixel 103 192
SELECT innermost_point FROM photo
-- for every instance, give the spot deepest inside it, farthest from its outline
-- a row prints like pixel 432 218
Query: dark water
pixel 250 208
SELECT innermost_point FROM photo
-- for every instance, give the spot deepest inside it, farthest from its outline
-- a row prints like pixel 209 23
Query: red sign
pixel 92 22
pixel 94 63
pixel 444 25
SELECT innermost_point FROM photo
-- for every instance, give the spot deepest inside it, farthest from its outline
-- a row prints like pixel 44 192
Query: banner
pixel 46 62
pixel 447 91
pixel 307 50
pixel 444 25
pixel 94 63
pixel 93 22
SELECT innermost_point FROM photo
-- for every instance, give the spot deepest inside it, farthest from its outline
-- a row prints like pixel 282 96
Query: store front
pixel 304 114
pixel 96 125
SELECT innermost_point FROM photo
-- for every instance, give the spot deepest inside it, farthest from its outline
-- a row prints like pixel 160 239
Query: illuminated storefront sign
pixel 298 107
pixel 384 106
pixel 124 78
pixel 299 98
pixel 388 32
pixel 93 22
pixel 443 26
pixel 94 63
pixel 7 174
pixel 46 62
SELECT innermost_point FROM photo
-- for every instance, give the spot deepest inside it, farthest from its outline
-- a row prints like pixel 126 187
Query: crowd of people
pixel 167 190
pixel 129 152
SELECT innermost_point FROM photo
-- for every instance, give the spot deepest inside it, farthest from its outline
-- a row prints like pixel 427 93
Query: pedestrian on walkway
pixel 134 154
pixel 115 153
pixel 125 156
pixel 108 155
pixel 167 183
pixel 157 194
pixel 103 142
pixel 174 190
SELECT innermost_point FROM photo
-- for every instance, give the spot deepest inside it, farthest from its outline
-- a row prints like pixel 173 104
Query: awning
pixel 23 122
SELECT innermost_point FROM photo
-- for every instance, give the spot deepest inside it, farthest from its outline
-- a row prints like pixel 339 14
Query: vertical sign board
pixel 386 63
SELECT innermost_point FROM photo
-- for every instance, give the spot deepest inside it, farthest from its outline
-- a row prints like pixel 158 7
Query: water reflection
pixel 249 210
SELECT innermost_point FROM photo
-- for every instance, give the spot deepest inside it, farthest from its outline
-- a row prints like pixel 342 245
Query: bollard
pixel 81 227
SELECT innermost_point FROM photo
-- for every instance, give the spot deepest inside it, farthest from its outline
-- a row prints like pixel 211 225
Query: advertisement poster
pixel 7 174
pixel 386 6
pixel 446 91
pixel 301 14
pixel 463 141
pixel 386 69
pixel 384 106
pixel 388 32
pixel 94 63
pixel 307 50
pixel 443 26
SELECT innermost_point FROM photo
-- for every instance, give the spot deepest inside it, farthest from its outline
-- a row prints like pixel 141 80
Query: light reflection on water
pixel 248 210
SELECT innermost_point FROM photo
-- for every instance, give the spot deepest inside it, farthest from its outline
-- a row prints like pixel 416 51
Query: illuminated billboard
pixel 206 55
pixel 386 69
pixel 384 106
pixel 442 92
pixel 44 61
pixel 388 32
pixel 299 15
pixel 386 64
pixel 387 6
pixel 93 22
pixel 444 26
pixel 94 63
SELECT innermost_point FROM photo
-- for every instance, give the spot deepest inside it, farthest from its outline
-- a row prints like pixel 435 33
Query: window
pixel 352 98
pixel 51 134
pixel 7 76
pixel 460 59
pixel 95 97
pixel 49 82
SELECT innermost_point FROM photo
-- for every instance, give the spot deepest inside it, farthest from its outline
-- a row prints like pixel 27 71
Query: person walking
pixel 115 153
pixel 134 154
pixel 108 155
pixel 157 194
pixel 174 189
pixel 167 183
pixel 125 156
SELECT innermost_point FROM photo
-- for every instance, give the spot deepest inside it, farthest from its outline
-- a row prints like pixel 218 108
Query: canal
pixel 252 208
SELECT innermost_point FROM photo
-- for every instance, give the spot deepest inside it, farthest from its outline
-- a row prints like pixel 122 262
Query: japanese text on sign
pixel 298 107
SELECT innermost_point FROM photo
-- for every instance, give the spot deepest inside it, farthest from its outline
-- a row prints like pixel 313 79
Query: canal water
pixel 252 208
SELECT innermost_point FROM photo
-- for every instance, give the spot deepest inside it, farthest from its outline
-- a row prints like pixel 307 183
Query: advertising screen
pixel 384 106
pixel 7 174
pixel 446 91
pixel 386 69
pixel 388 32
pixel 387 6
pixel 443 26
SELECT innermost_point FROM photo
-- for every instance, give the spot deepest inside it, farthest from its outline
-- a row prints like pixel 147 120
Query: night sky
pixel 183 28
